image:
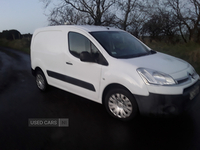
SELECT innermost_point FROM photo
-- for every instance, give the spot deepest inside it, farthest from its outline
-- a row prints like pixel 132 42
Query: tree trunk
pixel 98 14
pixel 182 34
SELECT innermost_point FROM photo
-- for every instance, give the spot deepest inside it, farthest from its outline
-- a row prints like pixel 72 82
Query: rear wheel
pixel 41 81
pixel 121 104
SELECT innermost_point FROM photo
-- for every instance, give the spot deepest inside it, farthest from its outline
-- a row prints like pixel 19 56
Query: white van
pixel 112 67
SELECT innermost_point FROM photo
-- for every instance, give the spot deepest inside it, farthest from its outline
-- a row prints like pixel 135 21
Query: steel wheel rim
pixel 40 81
pixel 120 105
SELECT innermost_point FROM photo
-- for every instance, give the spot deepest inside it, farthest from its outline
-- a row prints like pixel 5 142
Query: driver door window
pixel 79 43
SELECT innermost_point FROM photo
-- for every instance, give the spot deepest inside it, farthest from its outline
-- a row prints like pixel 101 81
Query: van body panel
pixel 160 62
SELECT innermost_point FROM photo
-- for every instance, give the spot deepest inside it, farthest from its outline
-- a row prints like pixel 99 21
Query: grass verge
pixel 18 44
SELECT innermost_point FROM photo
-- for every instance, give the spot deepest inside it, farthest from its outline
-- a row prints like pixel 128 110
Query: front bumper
pixel 166 105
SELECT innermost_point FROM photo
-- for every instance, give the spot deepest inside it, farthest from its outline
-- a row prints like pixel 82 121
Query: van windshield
pixel 120 44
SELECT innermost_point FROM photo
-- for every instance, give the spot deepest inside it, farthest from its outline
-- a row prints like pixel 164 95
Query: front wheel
pixel 121 104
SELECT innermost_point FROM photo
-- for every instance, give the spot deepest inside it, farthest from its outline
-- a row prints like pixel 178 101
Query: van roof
pixel 88 28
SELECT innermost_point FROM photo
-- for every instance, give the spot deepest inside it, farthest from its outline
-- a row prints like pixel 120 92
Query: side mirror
pixel 86 57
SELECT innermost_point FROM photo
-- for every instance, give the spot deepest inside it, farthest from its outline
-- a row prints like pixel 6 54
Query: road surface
pixel 90 127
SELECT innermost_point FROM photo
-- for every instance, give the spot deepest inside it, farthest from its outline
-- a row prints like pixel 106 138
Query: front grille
pixel 183 80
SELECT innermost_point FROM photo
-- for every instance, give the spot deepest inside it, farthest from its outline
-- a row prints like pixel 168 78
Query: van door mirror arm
pixel 86 57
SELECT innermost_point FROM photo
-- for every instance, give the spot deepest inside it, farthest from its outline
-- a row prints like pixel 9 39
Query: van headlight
pixel 154 77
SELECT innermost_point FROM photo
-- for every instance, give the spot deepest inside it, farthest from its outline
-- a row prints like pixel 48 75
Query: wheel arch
pixel 35 70
pixel 111 86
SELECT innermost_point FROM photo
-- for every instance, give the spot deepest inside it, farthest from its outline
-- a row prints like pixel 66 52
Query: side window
pixel 78 43
pixel 95 52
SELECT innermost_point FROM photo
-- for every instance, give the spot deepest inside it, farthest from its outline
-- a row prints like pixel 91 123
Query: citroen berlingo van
pixel 113 68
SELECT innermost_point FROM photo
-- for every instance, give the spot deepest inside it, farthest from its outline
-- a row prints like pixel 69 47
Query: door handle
pixel 68 63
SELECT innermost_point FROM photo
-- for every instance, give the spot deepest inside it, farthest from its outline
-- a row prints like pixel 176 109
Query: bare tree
pixel 188 15
pixel 95 10
pixel 153 27
pixel 126 7
pixel 139 17
pixel 63 15
pixel 195 18
pixel 131 17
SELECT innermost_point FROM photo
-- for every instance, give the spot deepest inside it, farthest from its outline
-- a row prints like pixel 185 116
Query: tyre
pixel 41 81
pixel 121 104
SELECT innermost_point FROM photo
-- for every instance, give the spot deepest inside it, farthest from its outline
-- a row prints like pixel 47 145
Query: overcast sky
pixel 22 15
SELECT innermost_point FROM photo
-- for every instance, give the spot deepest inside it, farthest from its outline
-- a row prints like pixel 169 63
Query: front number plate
pixel 194 92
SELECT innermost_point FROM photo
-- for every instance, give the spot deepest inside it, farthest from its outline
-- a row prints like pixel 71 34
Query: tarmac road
pixel 90 127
